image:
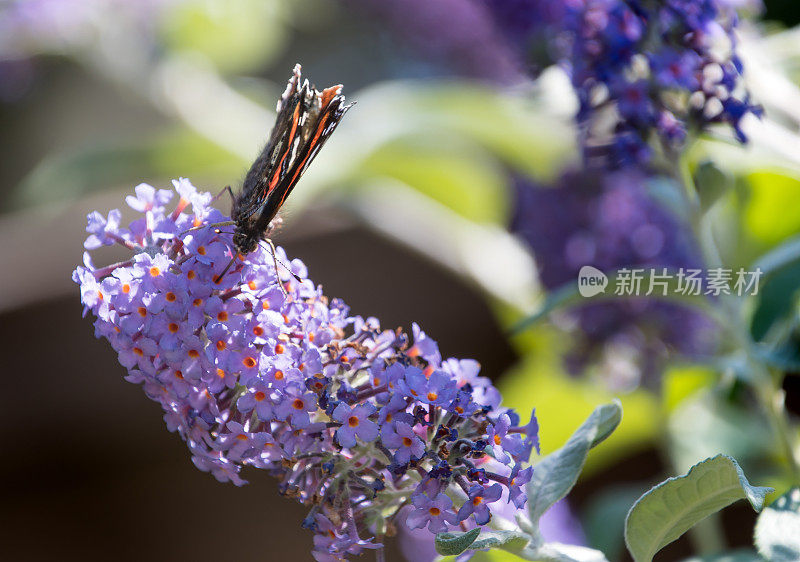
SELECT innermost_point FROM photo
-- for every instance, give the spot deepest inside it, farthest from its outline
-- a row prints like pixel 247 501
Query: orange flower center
pixel 221 345
pixel 169 296
pixel 435 511
pixel 407 441
pixel 352 421
pixel 126 288
pixel 194 354
pixel 222 316
pixel 259 396
pixel 172 327
pixel 477 501
pixel 155 272
pixel 496 439
pixel 249 362
pixel 298 404
pixel 279 348
pixel 432 396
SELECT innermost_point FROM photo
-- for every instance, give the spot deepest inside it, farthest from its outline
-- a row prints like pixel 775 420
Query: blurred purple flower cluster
pixel 643 70
pixel 609 221
pixel 256 367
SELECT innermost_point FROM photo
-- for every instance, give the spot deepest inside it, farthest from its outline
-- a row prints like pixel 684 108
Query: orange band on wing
pixel 311 144
pixel 277 174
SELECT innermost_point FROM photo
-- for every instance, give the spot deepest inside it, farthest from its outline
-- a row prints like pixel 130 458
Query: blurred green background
pixel 404 215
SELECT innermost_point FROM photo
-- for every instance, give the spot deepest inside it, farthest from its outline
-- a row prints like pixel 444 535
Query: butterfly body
pixel 306 119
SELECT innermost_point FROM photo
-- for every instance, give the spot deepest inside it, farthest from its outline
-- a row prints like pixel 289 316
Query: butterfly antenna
pixel 213 224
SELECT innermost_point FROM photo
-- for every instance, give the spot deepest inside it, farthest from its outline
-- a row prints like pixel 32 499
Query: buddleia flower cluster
pixel 643 70
pixel 653 70
pixel 611 221
pixel 255 367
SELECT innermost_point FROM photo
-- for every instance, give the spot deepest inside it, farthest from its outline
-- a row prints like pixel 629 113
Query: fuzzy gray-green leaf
pixel 556 474
pixel 453 544
pixel 671 508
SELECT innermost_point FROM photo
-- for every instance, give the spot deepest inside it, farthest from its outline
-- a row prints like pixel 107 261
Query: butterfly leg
pixel 276 261
pixel 224 189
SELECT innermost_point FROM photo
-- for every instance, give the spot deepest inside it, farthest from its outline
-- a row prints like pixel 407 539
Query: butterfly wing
pixel 306 119
pixel 281 140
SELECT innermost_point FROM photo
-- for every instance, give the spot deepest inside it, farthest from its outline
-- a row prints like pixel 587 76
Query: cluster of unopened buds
pixel 256 367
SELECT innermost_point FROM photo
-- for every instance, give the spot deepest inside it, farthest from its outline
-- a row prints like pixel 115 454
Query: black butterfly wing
pixel 318 125
pixel 283 137
pixel 306 119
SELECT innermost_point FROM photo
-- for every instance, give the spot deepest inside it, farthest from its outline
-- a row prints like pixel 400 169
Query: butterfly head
pixel 245 241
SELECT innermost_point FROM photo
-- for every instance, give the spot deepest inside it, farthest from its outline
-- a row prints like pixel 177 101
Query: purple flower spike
pixel 249 374
pixel 477 503
pixel 632 61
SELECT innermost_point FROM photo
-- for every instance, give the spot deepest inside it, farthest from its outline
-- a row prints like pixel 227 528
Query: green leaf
pixel 453 544
pixel 711 183
pixel 557 552
pixel 777 533
pixel 556 474
pixel 512 541
pixel 785 254
pixel 671 508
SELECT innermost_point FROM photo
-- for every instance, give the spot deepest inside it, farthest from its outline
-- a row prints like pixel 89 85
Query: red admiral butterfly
pixel 306 118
